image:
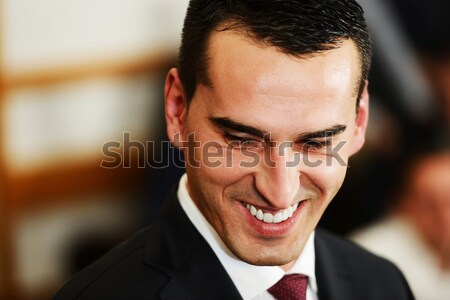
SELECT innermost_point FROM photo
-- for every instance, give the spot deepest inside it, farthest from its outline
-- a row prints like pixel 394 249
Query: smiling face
pixel 261 171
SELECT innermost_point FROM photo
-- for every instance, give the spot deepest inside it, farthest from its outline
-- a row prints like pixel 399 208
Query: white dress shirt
pixel 251 281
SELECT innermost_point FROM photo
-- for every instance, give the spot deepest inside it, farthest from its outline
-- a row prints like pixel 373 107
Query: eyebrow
pixel 329 132
pixel 224 122
pixel 236 126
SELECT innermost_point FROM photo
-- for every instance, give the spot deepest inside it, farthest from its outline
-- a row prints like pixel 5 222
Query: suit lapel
pixel 176 248
pixel 333 279
pixel 202 277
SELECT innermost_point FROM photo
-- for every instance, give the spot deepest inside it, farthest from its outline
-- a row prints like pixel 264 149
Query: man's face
pixel 427 202
pixel 282 170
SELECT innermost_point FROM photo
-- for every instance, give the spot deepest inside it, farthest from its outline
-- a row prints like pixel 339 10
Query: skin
pixel 426 202
pixel 289 97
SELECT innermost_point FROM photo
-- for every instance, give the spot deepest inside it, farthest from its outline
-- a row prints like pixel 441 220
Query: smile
pixel 270 218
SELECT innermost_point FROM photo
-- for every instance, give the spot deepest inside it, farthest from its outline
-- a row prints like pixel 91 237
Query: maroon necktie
pixel 290 287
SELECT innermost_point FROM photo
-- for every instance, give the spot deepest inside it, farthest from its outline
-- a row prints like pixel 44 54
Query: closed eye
pixel 311 145
pixel 240 142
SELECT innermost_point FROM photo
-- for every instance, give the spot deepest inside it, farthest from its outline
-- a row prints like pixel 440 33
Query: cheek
pixel 213 163
pixel 330 174
pixel 327 177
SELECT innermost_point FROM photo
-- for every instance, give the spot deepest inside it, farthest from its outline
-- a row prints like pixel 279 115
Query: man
pixel 416 234
pixel 267 103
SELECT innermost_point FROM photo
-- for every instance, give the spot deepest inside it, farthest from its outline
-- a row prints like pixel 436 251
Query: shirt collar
pixel 250 280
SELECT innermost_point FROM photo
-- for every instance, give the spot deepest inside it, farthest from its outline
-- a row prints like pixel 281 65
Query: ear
pixel 175 107
pixel 362 118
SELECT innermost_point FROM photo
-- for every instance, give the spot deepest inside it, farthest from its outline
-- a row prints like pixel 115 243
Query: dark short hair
pixel 295 27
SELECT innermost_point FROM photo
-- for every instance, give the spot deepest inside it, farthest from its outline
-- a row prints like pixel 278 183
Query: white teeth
pixel 268 217
pixel 278 217
pixel 290 211
pixel 259 215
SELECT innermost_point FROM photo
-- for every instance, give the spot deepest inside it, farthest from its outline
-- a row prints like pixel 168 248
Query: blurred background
pixel 76 75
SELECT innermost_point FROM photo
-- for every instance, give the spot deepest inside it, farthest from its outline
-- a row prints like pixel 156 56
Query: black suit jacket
pixel 171 260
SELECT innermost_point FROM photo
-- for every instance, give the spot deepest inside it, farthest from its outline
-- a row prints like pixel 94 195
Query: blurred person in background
pixel 410 104
pixel 416 234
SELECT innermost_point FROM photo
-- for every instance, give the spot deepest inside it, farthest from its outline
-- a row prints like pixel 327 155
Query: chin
pixel 278 261
pixel 270 257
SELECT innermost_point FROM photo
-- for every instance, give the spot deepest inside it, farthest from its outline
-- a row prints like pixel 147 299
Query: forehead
pixel 250 77
pixel 236 54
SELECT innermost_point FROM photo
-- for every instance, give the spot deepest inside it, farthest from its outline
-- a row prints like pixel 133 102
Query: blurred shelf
pixel 153 62
pixel 48 187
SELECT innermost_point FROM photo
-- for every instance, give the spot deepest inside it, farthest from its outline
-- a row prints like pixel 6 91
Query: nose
pixel 278 178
